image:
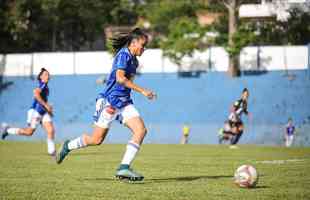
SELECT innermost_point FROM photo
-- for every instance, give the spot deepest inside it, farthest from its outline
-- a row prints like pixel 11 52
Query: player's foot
pixel 233 147
pixel 221 135
pixel 53 155
pixel 4 130
pixel 128 174
pixel 63 152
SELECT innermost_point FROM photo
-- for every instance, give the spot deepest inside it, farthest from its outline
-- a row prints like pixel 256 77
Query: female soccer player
pixel 233 128
pixel 289 133
pixel 40 112
pixel 115 103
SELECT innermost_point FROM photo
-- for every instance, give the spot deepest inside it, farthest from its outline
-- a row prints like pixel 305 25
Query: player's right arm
pixel 37 96
pixel 123 80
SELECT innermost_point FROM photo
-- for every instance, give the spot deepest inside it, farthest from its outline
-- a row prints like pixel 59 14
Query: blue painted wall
pixel 203 102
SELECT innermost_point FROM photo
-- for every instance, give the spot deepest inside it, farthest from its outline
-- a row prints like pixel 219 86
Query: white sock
pixel 77 143
pixel 50 146
pixel 13 131
pixel 130 154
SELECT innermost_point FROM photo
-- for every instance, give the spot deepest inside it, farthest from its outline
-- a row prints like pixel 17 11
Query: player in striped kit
pixel 233 127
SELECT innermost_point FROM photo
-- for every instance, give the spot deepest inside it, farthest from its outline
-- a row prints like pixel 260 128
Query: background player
pixel 40 112
pixel 233 128
pixel 289 133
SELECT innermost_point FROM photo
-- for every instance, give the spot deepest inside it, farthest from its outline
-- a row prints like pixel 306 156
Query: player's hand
pixel 149 94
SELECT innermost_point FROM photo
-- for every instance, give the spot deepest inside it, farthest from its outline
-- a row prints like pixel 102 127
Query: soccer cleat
pixel 221 135
pixel 128 174
pixel 63 152
pixel 4 130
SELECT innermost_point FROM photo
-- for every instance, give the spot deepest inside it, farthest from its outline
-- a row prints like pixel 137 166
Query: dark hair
pixel 124 39
pixel 41 72
pixel 245 90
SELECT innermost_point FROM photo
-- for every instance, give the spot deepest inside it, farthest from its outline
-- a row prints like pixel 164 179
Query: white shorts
pixel 105 113
pixel 34 118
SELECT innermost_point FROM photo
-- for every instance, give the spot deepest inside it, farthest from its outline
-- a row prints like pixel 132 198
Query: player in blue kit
pixel 40 112
pixel 289 133
pixel 115 103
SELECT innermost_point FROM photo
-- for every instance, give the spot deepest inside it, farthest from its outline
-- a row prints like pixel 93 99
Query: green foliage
pixel 51 25
pixel 175 26
pixel 62 25
pixel 162 13
pixel 185 36
pixel 298 27
pixel 178 20
pixel 295 31
pixel 221 26
pixel 243 37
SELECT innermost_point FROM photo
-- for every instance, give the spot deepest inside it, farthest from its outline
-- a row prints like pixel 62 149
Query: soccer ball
pixel 246 176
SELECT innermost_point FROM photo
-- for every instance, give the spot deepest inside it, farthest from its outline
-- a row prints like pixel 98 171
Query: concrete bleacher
pixel 201 101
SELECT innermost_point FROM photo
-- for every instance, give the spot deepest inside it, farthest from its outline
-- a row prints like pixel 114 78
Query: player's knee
pixel 97 141
pixel 143 131
pixel 30 131
pixel 50 132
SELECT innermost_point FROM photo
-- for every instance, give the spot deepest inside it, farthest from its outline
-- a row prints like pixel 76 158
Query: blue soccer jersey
pixel 290 129
pixel 44 94
pixel 116 94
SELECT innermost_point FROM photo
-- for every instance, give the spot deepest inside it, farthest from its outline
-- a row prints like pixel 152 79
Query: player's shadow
pixel 84 154
pixel 260 187
pixel 187 178
pixel 161 180
pixel 174 179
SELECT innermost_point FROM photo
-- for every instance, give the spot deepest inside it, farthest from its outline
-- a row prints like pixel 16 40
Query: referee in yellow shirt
pixel 185 135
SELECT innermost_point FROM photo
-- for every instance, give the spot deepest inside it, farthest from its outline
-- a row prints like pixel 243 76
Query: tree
pixel 232 6
pixel 294 31
pixel 237 38
pixel 175 26
pixel 162 14
pixel 185 35
pixel 14 22
pixel 60 25
pixel 175 21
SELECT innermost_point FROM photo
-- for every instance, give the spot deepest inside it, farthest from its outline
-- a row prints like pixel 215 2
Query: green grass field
pixel 171 172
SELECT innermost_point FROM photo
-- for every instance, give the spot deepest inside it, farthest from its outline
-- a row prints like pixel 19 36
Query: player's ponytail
pixel 41 72
pixel 124 39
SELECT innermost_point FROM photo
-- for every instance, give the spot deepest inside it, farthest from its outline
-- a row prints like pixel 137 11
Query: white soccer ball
pixel 246 176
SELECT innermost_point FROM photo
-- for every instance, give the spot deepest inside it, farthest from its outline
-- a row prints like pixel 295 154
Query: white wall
pixel 92 62
pixel 152 61
pixel 56 63
pixel 16 64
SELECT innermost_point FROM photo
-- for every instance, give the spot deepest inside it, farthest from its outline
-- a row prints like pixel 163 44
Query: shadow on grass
pixel 160 180
pixel 260 187
pixel 173 179
pixel 85 154
pixel 187 178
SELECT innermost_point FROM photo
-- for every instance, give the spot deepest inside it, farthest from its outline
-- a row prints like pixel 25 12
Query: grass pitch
pixel 171 172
